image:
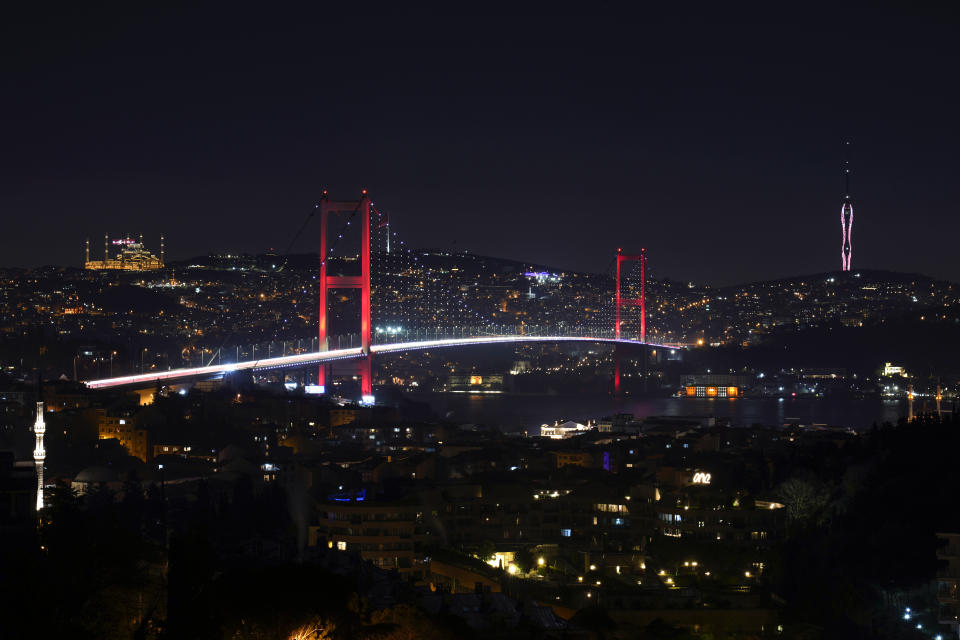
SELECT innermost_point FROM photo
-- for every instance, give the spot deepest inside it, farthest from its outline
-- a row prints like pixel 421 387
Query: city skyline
pixel 157 265
pixel 672 131
pixel 355 323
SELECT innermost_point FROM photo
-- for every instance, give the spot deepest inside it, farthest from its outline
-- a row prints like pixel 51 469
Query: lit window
pixel 565 533
pixel 341 545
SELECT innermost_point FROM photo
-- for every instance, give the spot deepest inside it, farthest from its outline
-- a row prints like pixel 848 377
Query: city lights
pixel 323 416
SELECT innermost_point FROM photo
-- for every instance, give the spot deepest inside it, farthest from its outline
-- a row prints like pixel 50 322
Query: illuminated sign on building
pixel 701 478
pixel 476 379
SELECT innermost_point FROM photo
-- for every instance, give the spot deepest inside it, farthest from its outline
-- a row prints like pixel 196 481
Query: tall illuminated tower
pixel 39 453
pixel 846 221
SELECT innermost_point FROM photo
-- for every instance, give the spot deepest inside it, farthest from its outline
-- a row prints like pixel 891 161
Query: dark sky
pixel 712 137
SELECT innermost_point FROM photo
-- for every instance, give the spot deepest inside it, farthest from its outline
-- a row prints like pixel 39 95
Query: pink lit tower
pixel 846 218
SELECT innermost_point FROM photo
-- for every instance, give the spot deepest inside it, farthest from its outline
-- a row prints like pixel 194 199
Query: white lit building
pixel 560 431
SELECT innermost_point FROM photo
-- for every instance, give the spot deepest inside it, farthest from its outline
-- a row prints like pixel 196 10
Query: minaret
pixel 88 253
pixel 106 246
pixel 846 218
pixel 161 250
pixel 39 453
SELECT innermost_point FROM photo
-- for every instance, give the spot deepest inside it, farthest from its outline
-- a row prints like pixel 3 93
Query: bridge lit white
pixel 317 357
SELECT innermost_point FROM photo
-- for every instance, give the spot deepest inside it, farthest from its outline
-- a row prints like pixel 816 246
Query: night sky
pixel 712 137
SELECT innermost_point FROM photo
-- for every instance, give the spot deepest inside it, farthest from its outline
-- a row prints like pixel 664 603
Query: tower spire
pixel 846 170
pixel 846 215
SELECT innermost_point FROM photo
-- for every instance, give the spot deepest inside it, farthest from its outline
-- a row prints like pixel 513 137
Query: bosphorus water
pixel 524 411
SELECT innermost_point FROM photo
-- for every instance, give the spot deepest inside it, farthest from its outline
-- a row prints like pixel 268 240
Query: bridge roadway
pixel 317 357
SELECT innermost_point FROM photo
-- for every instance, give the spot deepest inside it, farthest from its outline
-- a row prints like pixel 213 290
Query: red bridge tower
pixel 630 302
pixel 362 282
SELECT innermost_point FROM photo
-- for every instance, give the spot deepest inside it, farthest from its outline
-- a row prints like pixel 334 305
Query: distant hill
pixel 124 298
pixel 857 277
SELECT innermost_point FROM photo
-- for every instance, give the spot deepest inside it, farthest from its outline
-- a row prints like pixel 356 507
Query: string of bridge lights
pixel 439 300
pixel 413 298
pixel 401 274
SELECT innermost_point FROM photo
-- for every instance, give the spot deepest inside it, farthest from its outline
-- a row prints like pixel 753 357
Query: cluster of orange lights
pixel 712 392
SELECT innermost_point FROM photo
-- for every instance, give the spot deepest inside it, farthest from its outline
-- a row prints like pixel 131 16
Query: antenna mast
pixel 846 215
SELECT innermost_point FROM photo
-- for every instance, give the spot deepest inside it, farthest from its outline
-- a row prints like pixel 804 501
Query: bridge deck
pixel 317 357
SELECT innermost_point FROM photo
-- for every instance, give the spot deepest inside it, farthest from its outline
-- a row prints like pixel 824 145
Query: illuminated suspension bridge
pixel 415 300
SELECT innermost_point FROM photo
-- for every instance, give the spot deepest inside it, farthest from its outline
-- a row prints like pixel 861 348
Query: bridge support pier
pixel 644 367
pixel 616 369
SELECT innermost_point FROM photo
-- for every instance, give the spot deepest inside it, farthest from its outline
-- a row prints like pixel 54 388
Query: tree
pixel 405 622
pixel 524 560
pixel 486 551
pixel 803 500
pixel 315 629
pixel 594 619
pixel 662 630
